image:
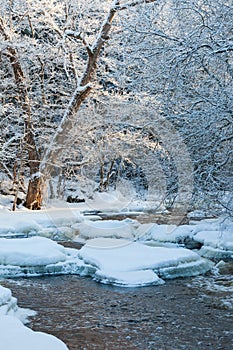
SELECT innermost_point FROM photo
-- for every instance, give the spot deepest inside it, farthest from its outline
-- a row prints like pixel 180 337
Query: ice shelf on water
pixel 37 256
pixel 124 263
pixel 107 228
pixel 107 260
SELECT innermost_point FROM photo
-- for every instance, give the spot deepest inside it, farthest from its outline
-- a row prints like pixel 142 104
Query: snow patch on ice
pixel 37 256
pixel 117 261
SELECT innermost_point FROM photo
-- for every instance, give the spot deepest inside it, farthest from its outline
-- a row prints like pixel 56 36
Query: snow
pixel 167 233
pixel 216 235
pixel 37 256
pixel 109 201
pixel 125 263
pixel 217 239
pixel 108 260
pixel 15 336
pixel 109 228
pixel 5 295
pixel 50 222
pixel 34 251
pixel 124 253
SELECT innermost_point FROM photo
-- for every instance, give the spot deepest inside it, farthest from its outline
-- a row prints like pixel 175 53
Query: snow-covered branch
pixel 80 36
pixel 129 4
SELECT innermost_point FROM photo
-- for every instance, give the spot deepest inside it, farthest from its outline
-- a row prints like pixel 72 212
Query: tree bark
pixel 34 193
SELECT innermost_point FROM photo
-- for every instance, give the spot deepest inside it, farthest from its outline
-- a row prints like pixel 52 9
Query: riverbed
pixel 191 313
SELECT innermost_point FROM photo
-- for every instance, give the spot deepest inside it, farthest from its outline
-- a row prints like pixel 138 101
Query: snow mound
pixel 167 233
pixel 51 222
pixel 217 244
pixel 8 306
pixel 216 236
pixel 125 263
pixel 34 251
pixel 5 295
pixel 15 336
pixel 109 228
pixel 37 256
pixel 108 201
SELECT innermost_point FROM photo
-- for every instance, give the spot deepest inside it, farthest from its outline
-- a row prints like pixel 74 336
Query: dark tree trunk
pixel 34 193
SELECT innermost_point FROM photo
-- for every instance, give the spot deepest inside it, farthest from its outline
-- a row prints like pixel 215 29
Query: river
pixel 191 313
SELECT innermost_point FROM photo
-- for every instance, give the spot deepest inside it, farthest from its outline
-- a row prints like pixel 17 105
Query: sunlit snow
pixel 125 263
pixel 15 336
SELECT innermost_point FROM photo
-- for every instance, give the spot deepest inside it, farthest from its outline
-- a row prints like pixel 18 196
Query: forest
pixel 97 95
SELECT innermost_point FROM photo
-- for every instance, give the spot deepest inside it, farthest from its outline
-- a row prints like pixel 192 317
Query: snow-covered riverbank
pixel 14 334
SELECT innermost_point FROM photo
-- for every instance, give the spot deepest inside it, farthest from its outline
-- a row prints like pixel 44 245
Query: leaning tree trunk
pixel 61 138
pixel 34 193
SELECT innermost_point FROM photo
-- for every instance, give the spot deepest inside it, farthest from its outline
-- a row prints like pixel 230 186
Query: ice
pixel 34 251
pixel 217 244
pixel 54 222
pixel 5 295
pixel 122 262
pixel 128 278
pixel 8 306
pixel 37 256
pixel 15 336
pixel 167 233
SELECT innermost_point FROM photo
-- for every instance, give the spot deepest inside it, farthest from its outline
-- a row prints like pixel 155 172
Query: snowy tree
pixel 55 27
pixel 183 54
pixel 167 63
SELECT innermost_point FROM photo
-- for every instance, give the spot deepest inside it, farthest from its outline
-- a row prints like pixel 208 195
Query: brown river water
pixel 191 313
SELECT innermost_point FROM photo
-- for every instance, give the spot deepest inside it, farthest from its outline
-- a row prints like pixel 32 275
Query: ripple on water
pixel 192 313
pixel 218 287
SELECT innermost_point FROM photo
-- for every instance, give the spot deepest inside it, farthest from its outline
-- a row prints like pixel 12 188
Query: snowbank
pixel 34 251
pixel 166 233
pixel 109 201
pixel 124 263
pixel 8 306
pixel 216 236
pixel 55 223
pixel 15 336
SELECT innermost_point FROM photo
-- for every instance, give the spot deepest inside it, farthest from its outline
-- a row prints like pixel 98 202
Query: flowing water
pixel 191 314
